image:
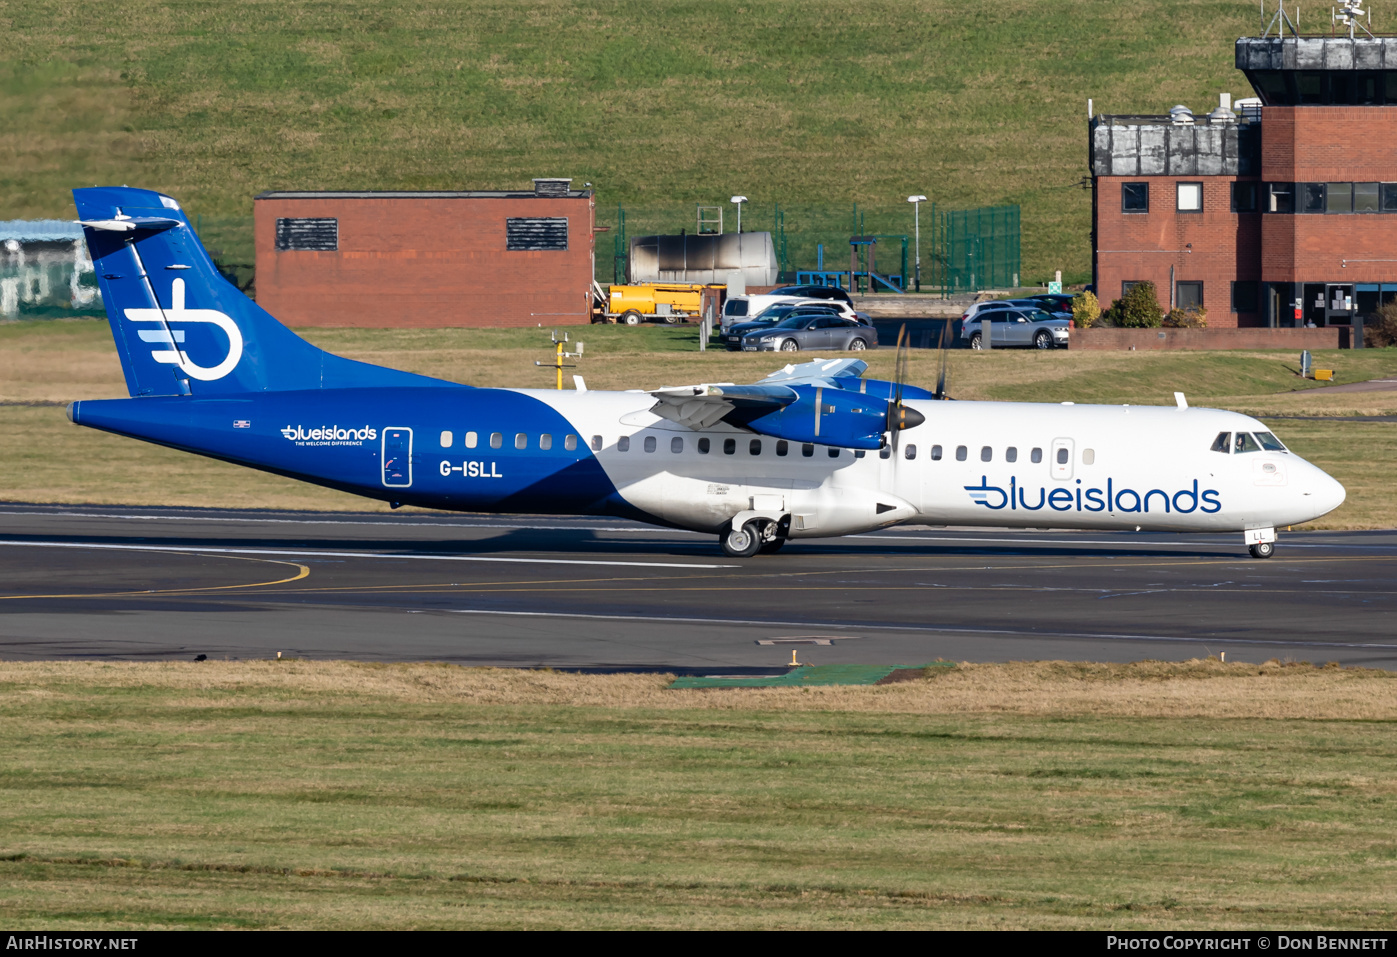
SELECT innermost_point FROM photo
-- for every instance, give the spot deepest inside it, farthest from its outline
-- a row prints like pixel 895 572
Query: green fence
pixel 961 250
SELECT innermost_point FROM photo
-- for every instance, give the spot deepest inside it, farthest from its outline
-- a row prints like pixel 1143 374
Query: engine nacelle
pixel 826 416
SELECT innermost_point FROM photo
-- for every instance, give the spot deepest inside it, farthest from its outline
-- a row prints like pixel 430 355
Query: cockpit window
pixel 1269 442
pixel 1222 442
pixel 1244 443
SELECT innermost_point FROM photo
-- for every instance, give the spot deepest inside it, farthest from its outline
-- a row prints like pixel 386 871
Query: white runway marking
pixel 939 629
pixel 308 553
pixel 340 521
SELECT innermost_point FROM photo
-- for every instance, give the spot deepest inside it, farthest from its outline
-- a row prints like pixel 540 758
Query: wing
pixel 704 406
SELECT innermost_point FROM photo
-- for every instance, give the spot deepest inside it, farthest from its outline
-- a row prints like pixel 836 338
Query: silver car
pixel 1026 327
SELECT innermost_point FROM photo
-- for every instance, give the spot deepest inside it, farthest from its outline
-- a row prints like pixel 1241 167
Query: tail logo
pixel 171 337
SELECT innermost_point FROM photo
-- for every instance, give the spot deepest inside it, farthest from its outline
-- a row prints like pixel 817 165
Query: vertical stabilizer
pixel 180 327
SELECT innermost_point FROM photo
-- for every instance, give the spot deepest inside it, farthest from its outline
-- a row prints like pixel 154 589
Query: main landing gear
pixel 753 537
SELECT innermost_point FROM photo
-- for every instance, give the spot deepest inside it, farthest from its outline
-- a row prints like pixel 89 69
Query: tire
pixel 1262 549
pixel 671 319
pixel 858 345
pixel 976 341
pixel 773 546
pixel 790 345
pixel 631 318
pixel 743 542
pixel 1042 340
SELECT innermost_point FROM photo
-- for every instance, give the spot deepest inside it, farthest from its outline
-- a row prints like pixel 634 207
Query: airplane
pixel 813 450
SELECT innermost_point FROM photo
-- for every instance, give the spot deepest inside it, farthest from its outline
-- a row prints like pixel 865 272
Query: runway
pixel 103 582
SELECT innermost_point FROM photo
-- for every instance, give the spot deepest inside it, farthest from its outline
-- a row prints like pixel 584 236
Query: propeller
pixel 941 347
pixel 900 416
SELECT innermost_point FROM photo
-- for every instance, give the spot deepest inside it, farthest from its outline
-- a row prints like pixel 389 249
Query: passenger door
pixel 397 457
pixel 1018 331
pixel 1062 459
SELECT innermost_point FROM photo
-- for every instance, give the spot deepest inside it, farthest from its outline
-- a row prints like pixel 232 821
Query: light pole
pixel 916 202
pixel 738 201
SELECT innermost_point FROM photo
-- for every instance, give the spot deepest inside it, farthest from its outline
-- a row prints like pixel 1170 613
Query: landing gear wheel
pixel 773 546
pixel 1262 549
pixel 1042 340
pixel 743 542
pixel 977 341
pixel 790 345
pixel 671 319
pixel 631 318
pixel 858 345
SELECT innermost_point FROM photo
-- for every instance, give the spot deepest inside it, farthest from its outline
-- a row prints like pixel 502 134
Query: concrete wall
pixel 1140 340
pixel 425 262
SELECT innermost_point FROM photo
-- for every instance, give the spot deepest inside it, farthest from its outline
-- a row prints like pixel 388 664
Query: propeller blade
pixel 941 345
pixel 895 413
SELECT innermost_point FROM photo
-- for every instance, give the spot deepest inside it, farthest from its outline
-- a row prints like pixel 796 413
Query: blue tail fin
pixel 180 327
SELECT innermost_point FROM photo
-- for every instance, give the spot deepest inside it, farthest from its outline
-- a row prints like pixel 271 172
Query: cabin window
pixel 911 452
pixel 623 444
pixel 1088 456
pixel 858 453
pixel 807 450
pixel 596 443
pixel 570 443
pixel 704 445
pixel 496 440
pixel 729 446
pixel 1011 454
pixel 1062 456
pixel 1222 443
pixel 885 452
pixel 936 453
pixel 1245 443
pixel 649 443
pixel 986 454
pixel 676 445
pixel 754 447
pixel 446 440
pixel 782 447
pixel 1269 442
pixel 545 441
pixel 962 453
pixel 521 441
pixel 471 440
pixel 1036 456
pixel 834 454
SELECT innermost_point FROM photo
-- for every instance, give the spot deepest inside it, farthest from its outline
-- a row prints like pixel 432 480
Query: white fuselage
pixel 970 463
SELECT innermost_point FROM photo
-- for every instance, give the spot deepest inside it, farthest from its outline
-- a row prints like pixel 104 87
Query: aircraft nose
pixel 1328 494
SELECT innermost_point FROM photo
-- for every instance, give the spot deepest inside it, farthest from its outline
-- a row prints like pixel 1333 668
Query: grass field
pixel 288 794
pixel 817 103
pixel 45 365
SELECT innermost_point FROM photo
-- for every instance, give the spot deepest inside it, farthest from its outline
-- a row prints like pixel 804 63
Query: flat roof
pixel 407 194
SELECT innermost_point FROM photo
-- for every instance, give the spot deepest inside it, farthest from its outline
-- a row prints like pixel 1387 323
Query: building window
pixel 525 233
pixel 1280 197
pixel 1135 197
pixel 1365 197
pixel 1190 197
pixel 1244 297
pixel 1311 197
pixel 1128 285
pixel 1339 197
pixel 1188 295
pixel 318 235
pixel 1244 197
pixel 1389 197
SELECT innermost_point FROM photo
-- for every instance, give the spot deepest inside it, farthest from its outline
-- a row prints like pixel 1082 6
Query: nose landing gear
pixel 1262 549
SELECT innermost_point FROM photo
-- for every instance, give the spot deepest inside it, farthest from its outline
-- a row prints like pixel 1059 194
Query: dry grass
pixel 331 795
pixel 1198 688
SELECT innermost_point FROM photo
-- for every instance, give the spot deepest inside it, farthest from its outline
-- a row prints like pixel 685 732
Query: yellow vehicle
pixel 669 302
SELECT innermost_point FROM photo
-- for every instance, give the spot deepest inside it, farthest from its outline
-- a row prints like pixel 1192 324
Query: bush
pixel 1190 318
pixel 1380 329
pixel 1138 309
pixel 1086 311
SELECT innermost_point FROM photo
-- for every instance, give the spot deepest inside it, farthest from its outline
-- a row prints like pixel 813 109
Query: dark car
pixel 799 332
pixel 1057 303
pixel 814 292
pixel 770 316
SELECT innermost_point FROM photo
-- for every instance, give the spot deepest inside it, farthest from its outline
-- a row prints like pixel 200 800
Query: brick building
pixel 1278 214
pixel 430 259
